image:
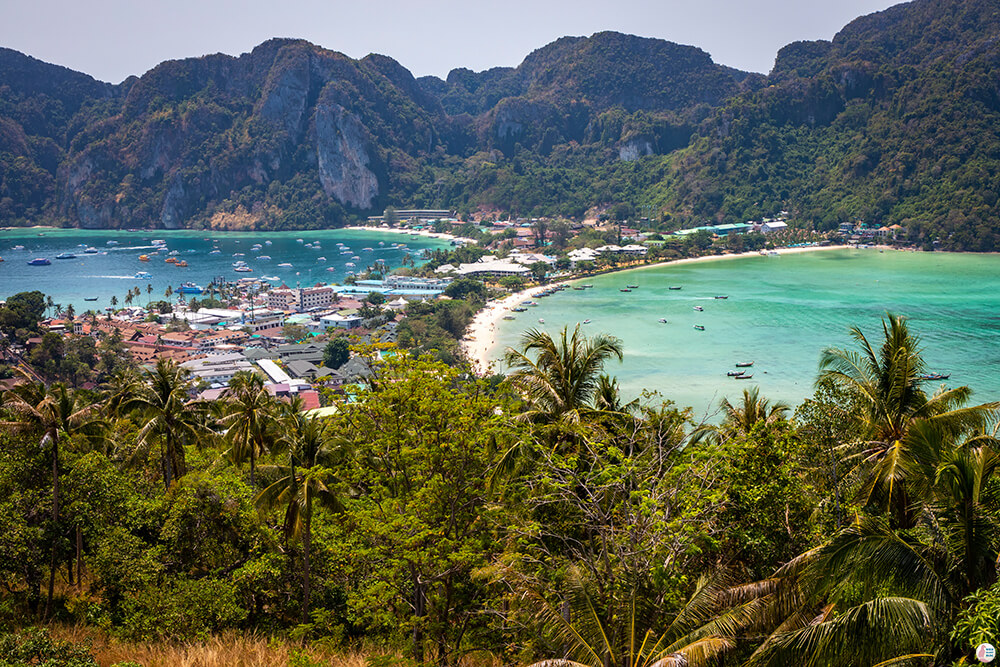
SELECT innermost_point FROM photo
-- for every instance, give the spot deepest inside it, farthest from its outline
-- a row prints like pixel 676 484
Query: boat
pixel 541 321
pixel 330 268
pixel 935 376
pixel 91 250
pixel 579 288
pixel 625 290
pixel 351 264
pixel 699 308
pixel 321 259
pixel 675 287
pixel 143 258
pixel 726 296
pixel 189 288
pixel 243 269
pixel 733 374
pixel 142 275
pixel 215 251
pixel 18 247
pixel 586 321
pixel 181 262
pixel 90 298
pixel 355 257
pixel 39 261
pixel 172 253
pixel 632 286
pixel 264 258
pixel 509 317
pixel 367 249
pixel 159 242
pixel 285 264
pixel 519 310
pixel 587 286
pixel 267 243
pixel 744 364
pixel 239 254
pixel 299 241
pixel 270 278
pixel 663 320
pixel 112 242
pixel 699 327
pixel 65 255
pixel 743 376
pixel 530 303
pixel 170 260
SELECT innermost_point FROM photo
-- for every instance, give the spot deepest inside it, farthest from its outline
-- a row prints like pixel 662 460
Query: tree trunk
pixel 419 609
pixel 306 544
pixel 79 556
pixel 55 522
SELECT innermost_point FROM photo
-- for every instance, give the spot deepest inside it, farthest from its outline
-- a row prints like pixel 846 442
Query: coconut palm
pixel 172 420
pixel 740 419
pixel 249 415
pixel 887 383
pixel 57 413
pixel 638 635
pixel 300 484
pixel 560 382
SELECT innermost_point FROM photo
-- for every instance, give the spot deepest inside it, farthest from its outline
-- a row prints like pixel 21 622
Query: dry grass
pixel 224 650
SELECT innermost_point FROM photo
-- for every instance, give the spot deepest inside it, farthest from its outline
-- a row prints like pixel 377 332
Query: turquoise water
pixel 111 272
pixel 781 312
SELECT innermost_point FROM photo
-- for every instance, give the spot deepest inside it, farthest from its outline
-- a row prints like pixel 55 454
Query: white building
pixel 218 369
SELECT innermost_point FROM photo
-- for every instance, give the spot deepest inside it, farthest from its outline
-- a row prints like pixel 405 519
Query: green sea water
pixel 780 314
pixel 111 272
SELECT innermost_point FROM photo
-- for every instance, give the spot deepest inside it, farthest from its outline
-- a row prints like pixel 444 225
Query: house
pixel 218 369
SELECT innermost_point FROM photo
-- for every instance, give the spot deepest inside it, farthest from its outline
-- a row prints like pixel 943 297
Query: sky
pixel 113 39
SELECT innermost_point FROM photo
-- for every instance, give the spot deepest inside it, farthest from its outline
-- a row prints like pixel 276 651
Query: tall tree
pixel 249 414
pixel 57 414
pixel 305 481
pixel 172 420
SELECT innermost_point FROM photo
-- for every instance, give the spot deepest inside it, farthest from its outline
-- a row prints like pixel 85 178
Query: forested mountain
pixel 895 120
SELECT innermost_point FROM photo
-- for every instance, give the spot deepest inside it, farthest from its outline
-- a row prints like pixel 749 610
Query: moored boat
pixel 675 287
pixel 699 327
pixel 735 373
pixel 624 289
pixel 587 321
pixel 190 288
pixel 722 296
pixel 935 376
pixel 744 364
pixel 143 258
pixel 743 376
pixel 39 261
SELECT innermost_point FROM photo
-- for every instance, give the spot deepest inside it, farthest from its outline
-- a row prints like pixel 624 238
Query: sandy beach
pixel 480 337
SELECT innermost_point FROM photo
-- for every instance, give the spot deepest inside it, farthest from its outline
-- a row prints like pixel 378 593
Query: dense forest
pixel 893 121
pixel 443 518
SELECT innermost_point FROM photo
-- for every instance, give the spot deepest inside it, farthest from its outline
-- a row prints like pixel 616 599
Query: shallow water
pixel 781 312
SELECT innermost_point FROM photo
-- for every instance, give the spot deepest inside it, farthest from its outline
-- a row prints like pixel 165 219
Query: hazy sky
pixel 112 39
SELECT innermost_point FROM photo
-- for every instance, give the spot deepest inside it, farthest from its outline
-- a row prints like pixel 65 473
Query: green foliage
pixel 336 353
pixel 34 646
pixel 467 289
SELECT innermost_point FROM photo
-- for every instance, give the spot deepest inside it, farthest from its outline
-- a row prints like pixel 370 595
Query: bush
pixel 34 646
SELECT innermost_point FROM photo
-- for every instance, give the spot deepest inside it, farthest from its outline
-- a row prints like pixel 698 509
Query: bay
pixel 111 272
pixel 780 313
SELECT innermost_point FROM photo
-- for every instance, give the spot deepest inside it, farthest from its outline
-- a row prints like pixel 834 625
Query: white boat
pixel 586 321
pixel 215 252
pixel 267 243
pixel 264 258
pixel 330 268
pixel 321 259
pixel 541 321
pixel 286 265
pixel 239 254
pixel 142 275
pixel 663 320
pixel 270 278
pixel 112 242
pixel 299 241
pixel 243 269
pixel 351 264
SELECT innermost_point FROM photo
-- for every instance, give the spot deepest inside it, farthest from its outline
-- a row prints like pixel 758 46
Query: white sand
pixel 480 337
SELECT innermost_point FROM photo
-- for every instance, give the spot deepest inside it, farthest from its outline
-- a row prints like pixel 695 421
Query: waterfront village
pixel 285 333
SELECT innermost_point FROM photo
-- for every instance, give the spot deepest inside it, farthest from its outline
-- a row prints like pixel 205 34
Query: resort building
pixel 218 369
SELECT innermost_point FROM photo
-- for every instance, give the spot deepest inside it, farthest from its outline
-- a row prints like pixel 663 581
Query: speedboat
pixel 351 264
pixel 586 321
pixel 18 247
pixel 190 288
pixel 699 327
pixel 65 255
pixel 39 261
pixel 267 243
pixel 321 259
pixel 541 321
pixel 91 250
pixel 112 242
pixel 243 269
pixel 142 275
pixel 663 320
pixel 699 308
pixel 239 254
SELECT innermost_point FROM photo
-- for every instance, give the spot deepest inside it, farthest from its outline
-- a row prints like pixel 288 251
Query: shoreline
pixel 480 336
pixel 443 236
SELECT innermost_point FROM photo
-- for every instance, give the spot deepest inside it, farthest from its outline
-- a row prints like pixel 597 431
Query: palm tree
pixel 886 382
pixel 172 420
pixel 560 383
pixel 302 482
pixel 638 635
pixel 58 414
pixel 249 415
pixel 741 419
